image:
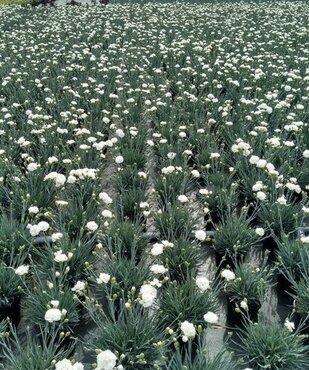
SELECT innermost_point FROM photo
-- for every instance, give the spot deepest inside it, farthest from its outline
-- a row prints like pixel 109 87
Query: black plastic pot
pixel 12 312
pixel 238 319
pixel 285 289
pixel 270 244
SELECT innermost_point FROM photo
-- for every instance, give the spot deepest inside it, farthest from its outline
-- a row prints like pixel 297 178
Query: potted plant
pixel 246 292
pixel 271 346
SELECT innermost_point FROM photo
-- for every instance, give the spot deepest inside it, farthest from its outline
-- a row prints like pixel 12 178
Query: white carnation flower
pixel 289 325
pixel 211 317
pixel 148 294
pixel 22 270
pixel 92 226
pixel 157 249
pixel 228 275
pixel 202 283
pixel 105 198
pixel 106 360
pixel 79 287
pixel 200 235
pixel 56 236
pixel 103 278
pixel 306 153
pixel 54 314
pixel 34 230
pixel 259 231
pixel 33 210
pixel 60 257
pixel 119 159
pixel 188 329
pixel 158 269
pixel 106 213
pixel 183 199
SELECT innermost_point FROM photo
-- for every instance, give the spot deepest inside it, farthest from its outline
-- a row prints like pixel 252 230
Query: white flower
pixel 79 287
pixel 306 153
pixel 67 365
pixel 261 195
pixel 71 179
pixel 254 159
pixel 157 249
pixel 61 203
pixel 228 275
pixel 200 235
pixel 259 231
pixel 168 170
pixel 103 278
pixel 158 269
pixel 282 200
pixel 167 244
pixel 106 360
pixel 305 210
pixel 92 226
pixel 53 314
pixel 258 186
pixel 148 294
pixel 77 366
pixel 33 210
pixel 34 230
pixel 55 303
pixel 63 365
pixel 56 236
pixel 32 167
pixel 106 213
pixel 58 178
pixel 119 159
pixel 184 339
pixel 188 329
pixel 119 133
pixel 182 199
pixel 195 174
pixel 304 239
pixel 202 283
pixel 44 226
pixel 60 257
pixel 211 317
pixel 22 270
pixel 214 155
pixel 289 325
pixel 105 198
pixel 142 174
pixel 244 305
pixel 261 163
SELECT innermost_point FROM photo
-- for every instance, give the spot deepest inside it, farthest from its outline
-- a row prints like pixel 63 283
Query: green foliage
pixel 134 335
pixel 235 236
pixel 180 302
pixel 250 284
pixel 125 240
pixel 14 2
pixel 38 301
pixel 183 260
pixel 188 359
pixel 266 345
pixel 175 223
pixel 32 353
pixel 10 286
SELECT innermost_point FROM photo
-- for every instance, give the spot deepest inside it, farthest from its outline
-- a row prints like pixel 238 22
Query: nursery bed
pixel 154 182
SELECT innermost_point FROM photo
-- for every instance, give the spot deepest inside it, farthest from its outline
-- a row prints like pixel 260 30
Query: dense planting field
pixel 154 182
